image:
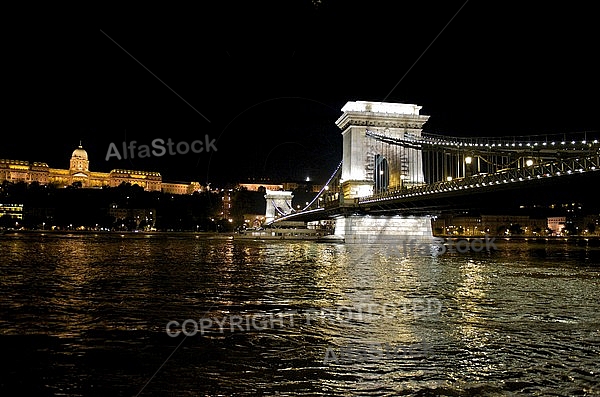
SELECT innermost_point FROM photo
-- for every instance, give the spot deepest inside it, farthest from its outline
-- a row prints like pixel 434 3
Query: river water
pixel 201 315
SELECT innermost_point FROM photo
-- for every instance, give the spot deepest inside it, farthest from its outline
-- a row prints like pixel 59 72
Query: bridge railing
pixel 558 168
pixel 547 140
pixel 554 142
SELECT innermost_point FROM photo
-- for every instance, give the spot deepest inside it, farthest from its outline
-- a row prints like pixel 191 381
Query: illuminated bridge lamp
pixel 529 162
pixel 448 178
pixel 468 159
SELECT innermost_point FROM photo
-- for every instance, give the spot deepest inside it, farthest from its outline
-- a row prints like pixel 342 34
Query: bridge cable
pixel 325 185
pixel 277 208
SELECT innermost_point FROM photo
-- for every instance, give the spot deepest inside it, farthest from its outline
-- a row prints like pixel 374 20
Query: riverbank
pixel 575 240
pixel 572 240
pixel 522 238
pixel 112 232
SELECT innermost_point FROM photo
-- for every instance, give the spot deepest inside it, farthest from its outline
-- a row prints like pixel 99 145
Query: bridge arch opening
pixel 381 174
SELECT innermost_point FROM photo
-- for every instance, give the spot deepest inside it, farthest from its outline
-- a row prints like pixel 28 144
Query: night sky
pixel 267 84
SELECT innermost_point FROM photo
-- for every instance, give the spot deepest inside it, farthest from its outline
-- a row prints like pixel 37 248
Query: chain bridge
pixel 393 177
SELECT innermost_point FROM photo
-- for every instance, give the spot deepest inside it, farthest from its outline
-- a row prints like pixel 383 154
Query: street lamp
pixel 467 166
pixel 529 162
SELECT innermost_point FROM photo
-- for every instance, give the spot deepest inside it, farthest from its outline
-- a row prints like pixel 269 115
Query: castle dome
pixel 80 153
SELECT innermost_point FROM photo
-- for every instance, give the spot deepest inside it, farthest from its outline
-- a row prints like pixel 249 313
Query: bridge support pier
pixel 278 202
pixel 384 229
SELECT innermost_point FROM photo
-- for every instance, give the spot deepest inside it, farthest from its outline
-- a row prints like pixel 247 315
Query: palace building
pixel 79 173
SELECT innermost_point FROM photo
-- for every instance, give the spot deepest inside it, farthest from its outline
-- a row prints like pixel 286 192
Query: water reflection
pixel 89 314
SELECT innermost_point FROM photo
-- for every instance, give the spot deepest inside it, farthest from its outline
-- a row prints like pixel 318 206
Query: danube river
pixel 202 315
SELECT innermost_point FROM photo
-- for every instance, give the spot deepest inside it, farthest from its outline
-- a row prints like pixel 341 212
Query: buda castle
pixel 79 173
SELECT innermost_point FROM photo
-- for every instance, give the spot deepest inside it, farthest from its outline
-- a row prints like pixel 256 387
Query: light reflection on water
pixel 85 315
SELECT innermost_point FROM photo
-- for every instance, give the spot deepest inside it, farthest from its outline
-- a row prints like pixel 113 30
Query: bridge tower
pixel 279 202
pixel 367 166
pixel 371 166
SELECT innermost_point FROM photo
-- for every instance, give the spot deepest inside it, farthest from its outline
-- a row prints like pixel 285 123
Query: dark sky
pixel 268 82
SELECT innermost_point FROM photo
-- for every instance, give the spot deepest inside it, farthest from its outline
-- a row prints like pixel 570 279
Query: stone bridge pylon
pixel 369 165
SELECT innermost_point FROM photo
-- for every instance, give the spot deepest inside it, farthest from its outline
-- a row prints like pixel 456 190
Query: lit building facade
pixel 255 187
pixel 490 224
pixel 79 173
pixel 14 211
pixel 557 224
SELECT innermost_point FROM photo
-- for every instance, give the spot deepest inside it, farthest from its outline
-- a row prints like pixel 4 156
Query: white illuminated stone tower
pixel 279 203
pixel 361 153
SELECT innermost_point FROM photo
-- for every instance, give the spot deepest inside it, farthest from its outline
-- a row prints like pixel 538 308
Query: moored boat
pixel 284 231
